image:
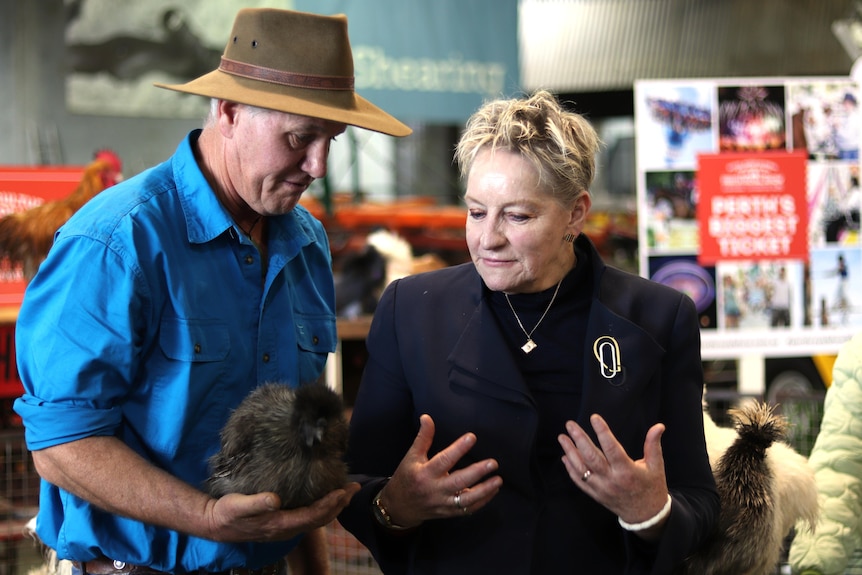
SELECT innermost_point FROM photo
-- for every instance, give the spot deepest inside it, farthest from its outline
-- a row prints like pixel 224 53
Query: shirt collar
pixel 206 218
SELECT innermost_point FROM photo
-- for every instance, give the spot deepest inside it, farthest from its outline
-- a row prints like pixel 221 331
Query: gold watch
pixel 382 515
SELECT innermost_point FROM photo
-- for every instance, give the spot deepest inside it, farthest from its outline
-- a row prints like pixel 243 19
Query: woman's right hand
pixel 422 488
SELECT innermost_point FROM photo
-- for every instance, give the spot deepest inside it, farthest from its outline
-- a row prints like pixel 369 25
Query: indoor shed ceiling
pixel 602 45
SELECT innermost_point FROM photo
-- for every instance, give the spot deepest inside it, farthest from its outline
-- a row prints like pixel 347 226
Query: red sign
pixel 752 206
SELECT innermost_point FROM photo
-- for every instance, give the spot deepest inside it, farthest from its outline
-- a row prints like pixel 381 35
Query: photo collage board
pixel 749 201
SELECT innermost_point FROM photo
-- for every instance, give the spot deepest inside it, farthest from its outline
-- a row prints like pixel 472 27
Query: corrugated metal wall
pixel 597 45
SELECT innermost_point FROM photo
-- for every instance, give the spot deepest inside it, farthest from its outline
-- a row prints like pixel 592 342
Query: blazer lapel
pixel 479 360
pixel 615 348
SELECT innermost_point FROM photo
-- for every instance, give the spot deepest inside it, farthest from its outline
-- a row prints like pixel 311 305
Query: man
pixel 168 298
pixel 779 301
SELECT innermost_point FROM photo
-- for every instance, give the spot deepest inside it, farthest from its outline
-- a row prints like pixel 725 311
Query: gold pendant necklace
pixel 531 345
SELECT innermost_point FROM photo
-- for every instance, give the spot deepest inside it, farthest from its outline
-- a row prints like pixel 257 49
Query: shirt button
pixel 315 340
pixel 266 358
pixel 197 348
pixel 249 260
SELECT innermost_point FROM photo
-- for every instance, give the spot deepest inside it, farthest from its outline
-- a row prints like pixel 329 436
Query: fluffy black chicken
pixel 287 441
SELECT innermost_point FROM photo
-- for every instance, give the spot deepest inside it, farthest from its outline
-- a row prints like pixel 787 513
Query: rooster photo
pixel 34 203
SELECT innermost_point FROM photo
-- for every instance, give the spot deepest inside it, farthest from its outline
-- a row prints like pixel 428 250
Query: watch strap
pixel 382 515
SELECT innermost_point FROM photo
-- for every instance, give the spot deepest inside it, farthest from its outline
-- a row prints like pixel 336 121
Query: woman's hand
pixel 422 488
pixel 634 490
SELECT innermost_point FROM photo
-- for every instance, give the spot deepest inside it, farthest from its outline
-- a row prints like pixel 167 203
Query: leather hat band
pixel 271 75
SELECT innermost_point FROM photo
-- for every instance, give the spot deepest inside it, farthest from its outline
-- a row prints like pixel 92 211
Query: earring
pixel 569 238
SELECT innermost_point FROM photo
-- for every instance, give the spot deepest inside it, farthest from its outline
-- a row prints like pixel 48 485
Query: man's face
pixel 272 157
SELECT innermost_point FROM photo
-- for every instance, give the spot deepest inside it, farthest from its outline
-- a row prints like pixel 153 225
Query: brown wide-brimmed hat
pixel 292 62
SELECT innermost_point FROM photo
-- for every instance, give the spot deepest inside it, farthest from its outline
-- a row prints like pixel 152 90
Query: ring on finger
pixel 458 503
pixel 586 475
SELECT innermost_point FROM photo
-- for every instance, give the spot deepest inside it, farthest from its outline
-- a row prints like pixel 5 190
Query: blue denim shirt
pixel 150 321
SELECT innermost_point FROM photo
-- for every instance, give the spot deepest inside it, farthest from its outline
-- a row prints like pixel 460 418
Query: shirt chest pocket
pixel 194 339
pixel 315 333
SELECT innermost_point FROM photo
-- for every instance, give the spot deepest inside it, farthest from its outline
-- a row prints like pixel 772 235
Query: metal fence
pixel 347 555
pixel 19 499
pixel 804 413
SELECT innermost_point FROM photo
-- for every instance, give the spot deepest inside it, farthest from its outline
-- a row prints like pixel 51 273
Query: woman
pixel 557 400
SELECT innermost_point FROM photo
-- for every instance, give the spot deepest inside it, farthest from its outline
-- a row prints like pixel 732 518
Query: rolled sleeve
pixel 42 430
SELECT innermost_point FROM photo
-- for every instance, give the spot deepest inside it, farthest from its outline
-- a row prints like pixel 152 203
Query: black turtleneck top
pixel 553 370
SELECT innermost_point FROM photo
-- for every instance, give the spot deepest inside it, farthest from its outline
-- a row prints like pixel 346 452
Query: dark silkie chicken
pixel 287 441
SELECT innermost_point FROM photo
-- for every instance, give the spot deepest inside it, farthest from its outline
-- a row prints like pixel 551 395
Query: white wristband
pixel 665 511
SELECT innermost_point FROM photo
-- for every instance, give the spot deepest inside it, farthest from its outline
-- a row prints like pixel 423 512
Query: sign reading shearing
pixel 435 61
pixel 752 206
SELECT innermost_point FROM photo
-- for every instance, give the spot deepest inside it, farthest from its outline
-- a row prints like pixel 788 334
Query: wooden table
pixel 347 329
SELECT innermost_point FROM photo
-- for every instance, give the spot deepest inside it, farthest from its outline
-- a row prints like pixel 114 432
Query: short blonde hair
pixel 562 145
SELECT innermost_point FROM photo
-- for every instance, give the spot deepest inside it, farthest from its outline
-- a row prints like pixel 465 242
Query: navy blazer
pixel 435 347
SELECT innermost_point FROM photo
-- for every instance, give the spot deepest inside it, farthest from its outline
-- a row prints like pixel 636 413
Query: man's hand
pixel 237 517
pixel 88 468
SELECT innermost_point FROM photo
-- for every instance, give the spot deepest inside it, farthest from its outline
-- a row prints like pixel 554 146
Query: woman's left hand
pixel 633 490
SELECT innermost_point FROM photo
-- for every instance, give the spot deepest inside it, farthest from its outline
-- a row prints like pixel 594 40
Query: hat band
pixel 271 75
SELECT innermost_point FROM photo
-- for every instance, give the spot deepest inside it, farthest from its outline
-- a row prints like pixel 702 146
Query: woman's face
pixel 514 228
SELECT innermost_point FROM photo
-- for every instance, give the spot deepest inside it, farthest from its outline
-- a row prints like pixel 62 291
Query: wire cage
pixel 347 555
pixel 19 500
pixel 804 413
pixel 19 483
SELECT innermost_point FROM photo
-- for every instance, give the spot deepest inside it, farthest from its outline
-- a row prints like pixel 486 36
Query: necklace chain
pixel 251 227
pixel 531 345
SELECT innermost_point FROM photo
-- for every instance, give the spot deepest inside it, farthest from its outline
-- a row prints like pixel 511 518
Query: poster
pixel 752 207
pixel 749 202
